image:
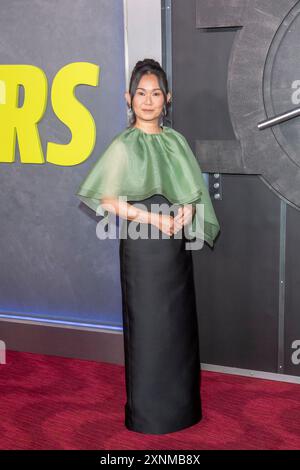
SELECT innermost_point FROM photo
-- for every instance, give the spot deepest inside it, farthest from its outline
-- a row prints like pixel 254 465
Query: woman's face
pixel 148 100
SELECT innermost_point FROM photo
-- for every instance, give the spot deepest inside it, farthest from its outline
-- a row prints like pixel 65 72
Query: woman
pixel 150 163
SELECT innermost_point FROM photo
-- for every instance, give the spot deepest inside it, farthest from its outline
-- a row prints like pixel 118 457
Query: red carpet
pixel 50 402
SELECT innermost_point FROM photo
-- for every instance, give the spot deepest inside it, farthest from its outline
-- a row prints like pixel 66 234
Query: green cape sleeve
pixel 138 165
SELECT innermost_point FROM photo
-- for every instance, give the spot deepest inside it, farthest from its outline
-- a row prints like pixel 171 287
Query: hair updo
pixel 142 67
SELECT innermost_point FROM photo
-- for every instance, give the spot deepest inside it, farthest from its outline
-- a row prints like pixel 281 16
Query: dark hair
pixel 141 68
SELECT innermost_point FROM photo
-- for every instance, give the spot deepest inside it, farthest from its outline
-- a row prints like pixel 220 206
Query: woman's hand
pixel 184 216
pixel 169 224
pixel 165 223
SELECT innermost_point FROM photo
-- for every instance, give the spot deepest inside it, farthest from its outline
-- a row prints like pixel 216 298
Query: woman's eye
pixel 141 93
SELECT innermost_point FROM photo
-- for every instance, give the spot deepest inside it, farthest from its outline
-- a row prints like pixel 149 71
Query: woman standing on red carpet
pixel 150 163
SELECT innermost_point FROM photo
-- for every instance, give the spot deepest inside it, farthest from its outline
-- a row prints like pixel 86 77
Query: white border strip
pixel 142 32
pixel 126 56
pixel 257 374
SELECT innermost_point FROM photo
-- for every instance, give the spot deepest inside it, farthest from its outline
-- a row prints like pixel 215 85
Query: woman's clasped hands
pixel 171 225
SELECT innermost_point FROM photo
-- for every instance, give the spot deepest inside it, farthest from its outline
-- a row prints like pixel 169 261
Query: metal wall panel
pixel 292 294
pixel 237 283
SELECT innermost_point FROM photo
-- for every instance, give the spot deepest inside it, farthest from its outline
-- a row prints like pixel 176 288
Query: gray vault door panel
pixel 254 151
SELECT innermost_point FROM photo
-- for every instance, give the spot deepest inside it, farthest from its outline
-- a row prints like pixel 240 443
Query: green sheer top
pixel 137 165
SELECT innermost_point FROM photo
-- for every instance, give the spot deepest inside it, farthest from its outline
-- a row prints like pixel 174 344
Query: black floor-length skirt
pixel 161 347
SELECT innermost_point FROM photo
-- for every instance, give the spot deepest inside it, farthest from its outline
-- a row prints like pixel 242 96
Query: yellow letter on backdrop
pixel 72 112
pixel 21 121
